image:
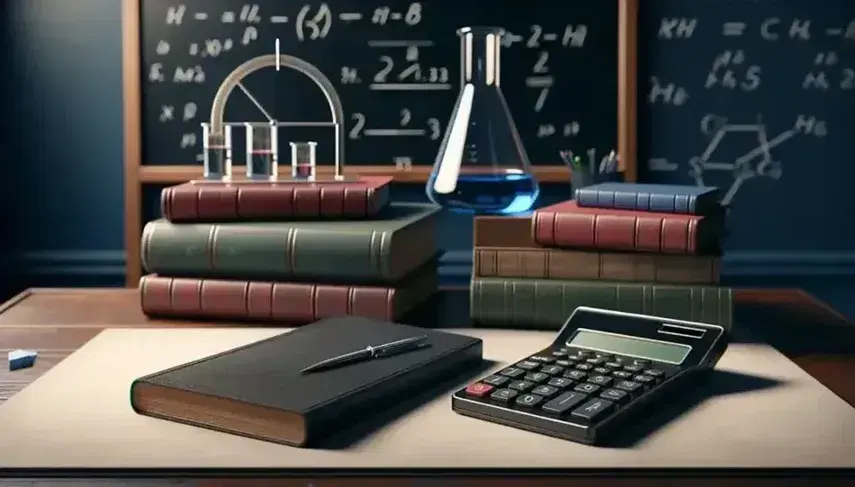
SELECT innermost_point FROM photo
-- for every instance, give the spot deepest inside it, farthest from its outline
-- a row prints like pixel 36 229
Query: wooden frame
pixel 132 108
pixel 137 174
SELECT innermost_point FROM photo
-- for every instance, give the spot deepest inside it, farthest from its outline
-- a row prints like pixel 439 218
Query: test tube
pixel 217 155
pixel 262 141
pixel 303 160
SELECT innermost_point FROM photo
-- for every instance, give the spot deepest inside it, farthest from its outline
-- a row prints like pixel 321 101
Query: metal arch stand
pixel 268 60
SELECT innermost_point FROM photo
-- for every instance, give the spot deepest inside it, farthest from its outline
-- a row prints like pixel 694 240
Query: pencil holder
pixel 579 180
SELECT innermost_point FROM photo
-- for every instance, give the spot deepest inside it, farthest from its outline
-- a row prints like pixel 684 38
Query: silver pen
pixel 369 353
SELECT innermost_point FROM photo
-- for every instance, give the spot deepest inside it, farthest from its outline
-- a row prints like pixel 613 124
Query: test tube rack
pixel 262 154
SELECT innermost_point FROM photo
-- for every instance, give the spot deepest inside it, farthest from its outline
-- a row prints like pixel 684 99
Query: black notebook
pixel 258 390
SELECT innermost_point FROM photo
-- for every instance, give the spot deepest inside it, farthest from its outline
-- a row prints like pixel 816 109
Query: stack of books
pixel 636 248
pixel 287 252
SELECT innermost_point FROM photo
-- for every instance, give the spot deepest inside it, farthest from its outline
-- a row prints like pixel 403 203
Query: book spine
pixel 200 202
pixel 702 204
pixel 633 200
pixel 502 231
pixel 542 304
pixel 644 232
pixel 209 250
pixel 671 203
pixel 262 301
pixel 608 266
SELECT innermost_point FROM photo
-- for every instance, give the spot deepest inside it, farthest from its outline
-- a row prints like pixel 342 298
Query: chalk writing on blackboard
pixel 393 64
pixel 738 67
pixel 758 161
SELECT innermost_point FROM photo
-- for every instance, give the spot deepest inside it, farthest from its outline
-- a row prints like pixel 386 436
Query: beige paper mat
pixel 78 416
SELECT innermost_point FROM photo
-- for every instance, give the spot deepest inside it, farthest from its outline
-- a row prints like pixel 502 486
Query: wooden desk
pixel 58 321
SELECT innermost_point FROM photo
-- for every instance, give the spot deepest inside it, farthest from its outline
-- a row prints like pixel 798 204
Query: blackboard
pixel 559 73
pixel 756 97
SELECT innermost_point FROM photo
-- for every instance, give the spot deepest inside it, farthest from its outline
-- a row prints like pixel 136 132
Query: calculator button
pixel 560 382
pixel 633 368
pixel 552 370
pixel 537 377
pixel 614 365
pixel 545 391
pixel 529 400
pixel 575 374
pixel 564 402
pixel 615 395
pixel 654 372
pixel 563 363
pixel 479 389
pixel 496 380
pixel 528 365
pixel 622 374
pixel 595 360
pixel 503 395
pixel 645 379
pixel 584 367
pixel 584 353
pixel 600 380
pixel 543 359
pixel 604 356
pixel 628 386
pixel 559 353
pixel 593 409
pixel 572 358
pixel 602 370
pixel 641 362
pixel 512 372
pixel 521 385
pixel 586 388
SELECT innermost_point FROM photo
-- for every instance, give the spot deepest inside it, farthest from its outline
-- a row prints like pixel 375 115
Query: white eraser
pixel 22 359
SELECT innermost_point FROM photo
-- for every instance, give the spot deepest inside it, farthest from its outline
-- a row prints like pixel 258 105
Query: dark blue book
pixel 658 198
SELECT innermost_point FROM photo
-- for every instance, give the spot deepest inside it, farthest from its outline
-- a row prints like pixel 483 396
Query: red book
pixel 199 201
pixel 567 225
pixel 291 303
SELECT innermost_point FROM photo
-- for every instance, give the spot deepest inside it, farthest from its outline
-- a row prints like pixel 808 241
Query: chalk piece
pixel 22 359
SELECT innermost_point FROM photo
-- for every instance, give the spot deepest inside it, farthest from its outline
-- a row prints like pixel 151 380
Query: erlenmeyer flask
pixel 482 166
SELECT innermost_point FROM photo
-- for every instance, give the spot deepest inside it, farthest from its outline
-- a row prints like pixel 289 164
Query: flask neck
pixel 480 52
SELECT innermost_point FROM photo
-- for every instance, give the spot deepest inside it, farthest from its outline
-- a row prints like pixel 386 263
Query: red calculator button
pixel 479 389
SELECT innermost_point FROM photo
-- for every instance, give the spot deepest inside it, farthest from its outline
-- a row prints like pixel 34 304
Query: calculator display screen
pixel 672 353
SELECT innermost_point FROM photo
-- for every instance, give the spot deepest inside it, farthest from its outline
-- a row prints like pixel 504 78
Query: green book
pixel 383 249
pixel 546 304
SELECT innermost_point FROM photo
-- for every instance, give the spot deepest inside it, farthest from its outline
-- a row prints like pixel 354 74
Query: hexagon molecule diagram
pixel 756 162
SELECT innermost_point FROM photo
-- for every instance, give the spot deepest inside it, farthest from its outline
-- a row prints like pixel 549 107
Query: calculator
pixel 603 368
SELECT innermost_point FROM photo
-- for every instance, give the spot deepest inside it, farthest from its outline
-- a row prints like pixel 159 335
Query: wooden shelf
pixel 180 174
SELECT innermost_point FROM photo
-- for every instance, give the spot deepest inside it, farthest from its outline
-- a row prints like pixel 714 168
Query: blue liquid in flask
pixel 499 194
pixel 482 166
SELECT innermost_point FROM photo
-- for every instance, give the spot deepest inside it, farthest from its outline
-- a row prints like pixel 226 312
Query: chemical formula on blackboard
pixel 392 66
pixel 752 141
pixel 756 98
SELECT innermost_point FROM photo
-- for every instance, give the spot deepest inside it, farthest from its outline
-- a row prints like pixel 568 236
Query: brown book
pixel 607 266
pixel 292 303
pixel 567 225
pixel 504 231
pixel 199 201
pixel 259 391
